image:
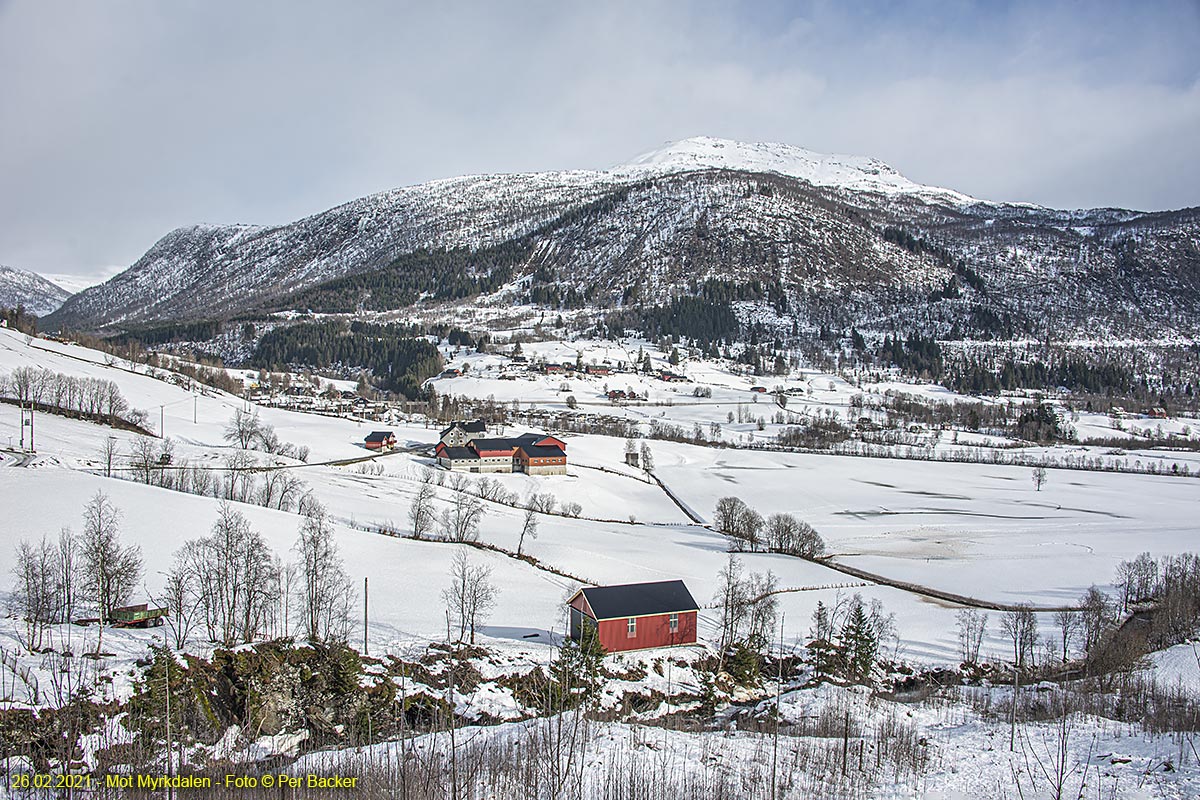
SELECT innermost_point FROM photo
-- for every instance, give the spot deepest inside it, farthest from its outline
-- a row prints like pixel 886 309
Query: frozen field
pixel 977 530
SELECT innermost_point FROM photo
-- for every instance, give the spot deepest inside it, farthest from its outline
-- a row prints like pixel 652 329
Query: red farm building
pixel 636 616
pixel 380 440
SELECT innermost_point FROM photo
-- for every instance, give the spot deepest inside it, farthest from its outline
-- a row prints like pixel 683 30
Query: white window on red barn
pixel 674 621
pixel 631 628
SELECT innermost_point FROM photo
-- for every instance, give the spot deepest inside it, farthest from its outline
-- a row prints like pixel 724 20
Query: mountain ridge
pixel 820 227
pixel 20 287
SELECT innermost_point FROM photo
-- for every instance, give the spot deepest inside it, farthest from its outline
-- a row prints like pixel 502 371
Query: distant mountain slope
pixel 836 239
pixel 38 295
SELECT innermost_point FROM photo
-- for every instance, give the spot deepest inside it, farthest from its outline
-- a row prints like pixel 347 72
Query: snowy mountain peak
pixel 857 173
pixel 28 289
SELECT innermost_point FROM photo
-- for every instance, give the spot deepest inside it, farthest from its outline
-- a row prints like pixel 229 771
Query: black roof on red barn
pixel 541 450
pixel 380 436
pixel 639 599
pixel 494 444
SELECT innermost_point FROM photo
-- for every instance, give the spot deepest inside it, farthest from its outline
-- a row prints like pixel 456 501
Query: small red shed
pixel 636 616
pixel 379 440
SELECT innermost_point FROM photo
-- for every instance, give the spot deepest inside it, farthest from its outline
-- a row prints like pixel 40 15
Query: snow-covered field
pixel 976 530
pixel 971 529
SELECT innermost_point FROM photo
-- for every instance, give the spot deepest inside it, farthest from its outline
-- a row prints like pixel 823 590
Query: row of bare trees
pixel 1083 627
pixel 248 431
pixel 94 398
pixel 236 589
pixel 459 521
pixel 1169 588
pixel 239 478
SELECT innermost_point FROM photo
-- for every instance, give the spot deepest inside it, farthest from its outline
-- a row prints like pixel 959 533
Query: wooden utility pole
pixel 1012 717
pixel 32 448
pixel 167 679
pixel 778 715
pixel 845 742
pixel 364 615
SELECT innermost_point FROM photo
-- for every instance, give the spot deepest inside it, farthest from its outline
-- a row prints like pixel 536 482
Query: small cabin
pixel 635 616
pixel 379 440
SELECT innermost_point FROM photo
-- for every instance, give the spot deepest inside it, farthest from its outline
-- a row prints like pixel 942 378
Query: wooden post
pixel 1012 734
pixel 778 715
pixel 167 678
pixel 364 615
pixel 845 743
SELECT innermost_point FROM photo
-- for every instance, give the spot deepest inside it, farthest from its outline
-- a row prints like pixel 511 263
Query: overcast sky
pixel 121 120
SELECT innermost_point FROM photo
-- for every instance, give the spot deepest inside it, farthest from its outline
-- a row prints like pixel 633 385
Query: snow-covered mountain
pixel 854 173
pixel 838 240
pixel 28 289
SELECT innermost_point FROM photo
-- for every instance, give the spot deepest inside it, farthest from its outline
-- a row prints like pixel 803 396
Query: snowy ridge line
pixel 39 295
pixel 936 594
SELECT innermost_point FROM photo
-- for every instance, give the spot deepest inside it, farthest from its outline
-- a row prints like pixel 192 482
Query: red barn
pixel 379 440
pixel 636 616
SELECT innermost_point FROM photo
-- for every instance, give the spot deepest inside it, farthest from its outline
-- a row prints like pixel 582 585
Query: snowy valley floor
pixel 971 529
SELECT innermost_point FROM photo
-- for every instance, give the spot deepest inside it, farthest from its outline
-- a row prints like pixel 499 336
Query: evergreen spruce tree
pixel 860 645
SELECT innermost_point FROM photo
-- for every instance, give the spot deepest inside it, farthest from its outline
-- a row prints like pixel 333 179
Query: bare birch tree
pixel 420 513
pixel 470 597
pixel 326 596
pixel 110 570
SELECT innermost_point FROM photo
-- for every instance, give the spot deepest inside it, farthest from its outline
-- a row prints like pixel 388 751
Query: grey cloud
pixel 125 119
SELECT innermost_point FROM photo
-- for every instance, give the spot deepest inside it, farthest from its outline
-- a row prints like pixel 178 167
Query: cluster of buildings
pixel 466 447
